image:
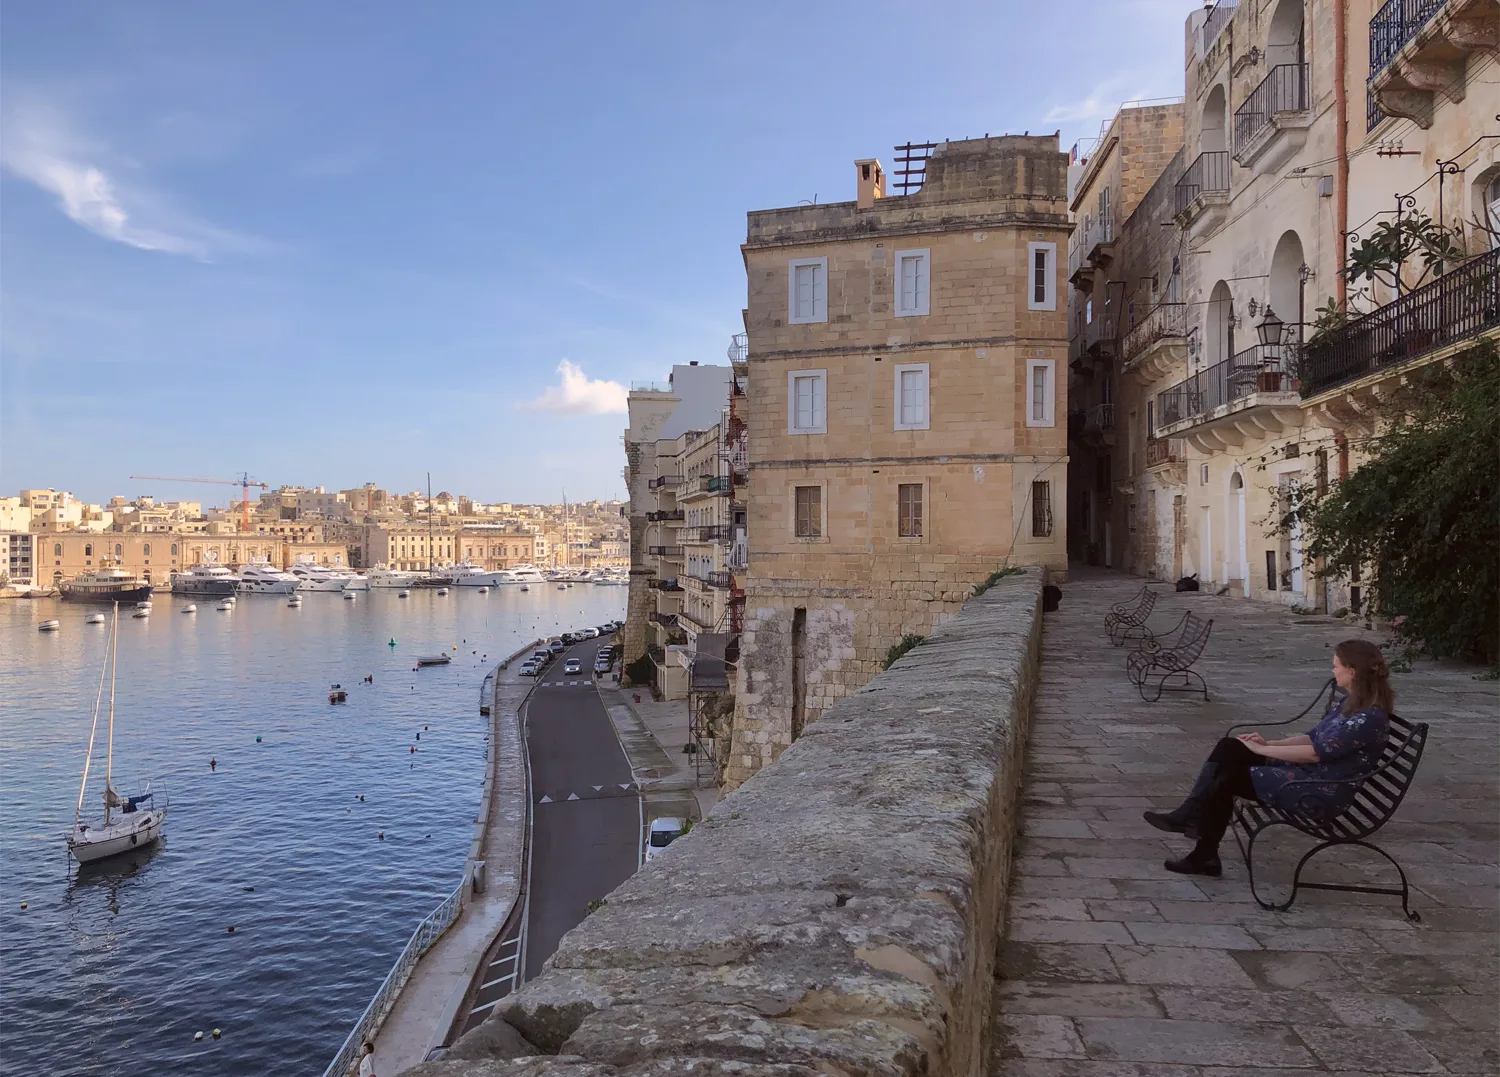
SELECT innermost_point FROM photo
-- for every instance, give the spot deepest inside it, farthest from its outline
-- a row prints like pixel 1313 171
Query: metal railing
pixel 1284 89
pixel 660 515
pixel 664 551
pixel 1164 451
pixel 666 620
pixel 713 533
pixel 1218 18
pixel 666 585
pixel 663 480
pixel 719 579
pixel 1163 320
pixel 650 387
pixel 1394 25
pixel 428 932
pixel 1263 368
pixel 1098 418
pixel 1208 173
pixel 1099 331
pixel 739 349
pixel 1460 304
pixel 1373 112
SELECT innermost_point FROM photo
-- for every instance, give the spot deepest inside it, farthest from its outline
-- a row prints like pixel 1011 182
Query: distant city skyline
pixel 319 249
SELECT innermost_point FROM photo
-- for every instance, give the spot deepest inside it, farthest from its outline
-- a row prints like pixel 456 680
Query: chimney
pixel 870 182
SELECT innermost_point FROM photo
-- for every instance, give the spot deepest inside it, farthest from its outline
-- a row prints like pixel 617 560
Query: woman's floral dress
pixel 1348 745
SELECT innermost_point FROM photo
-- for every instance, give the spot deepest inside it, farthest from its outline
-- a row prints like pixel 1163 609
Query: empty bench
pixel 1164 662
pixel 1122 615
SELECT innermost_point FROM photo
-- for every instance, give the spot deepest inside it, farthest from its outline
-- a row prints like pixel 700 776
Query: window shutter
pixel 1039 393
pixel 820 294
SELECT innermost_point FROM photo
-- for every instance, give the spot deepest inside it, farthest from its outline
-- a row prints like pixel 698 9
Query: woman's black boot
pixel 1183 819
pixel 1198 863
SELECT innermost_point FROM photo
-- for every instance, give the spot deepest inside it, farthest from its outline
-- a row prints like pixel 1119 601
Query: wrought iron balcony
pixel 739 350
pixel 664 480
pixel 664 515
pixel 1373 112
pixel 1394 25
pixel 1099 418
pixel 1217 19
pixel 1283 90
pixel 1455 307
pixel 674 552
pixel 718 579
pixel 1163 320
pixel 1265 368
pixel 666 585
pixel 1162 451
pixel 711 533
pixel 1208 175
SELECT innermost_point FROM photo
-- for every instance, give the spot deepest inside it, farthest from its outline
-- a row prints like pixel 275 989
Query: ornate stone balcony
pixel 1201 197
pixel 1253 394
pixel 1157 344
pixel 1419 50
pixel 1271 126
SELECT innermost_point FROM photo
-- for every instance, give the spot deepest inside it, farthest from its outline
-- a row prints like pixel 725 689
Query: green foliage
pixel 1418 518
pixel 641 671
pixel 1329 317
pixel 994 578
pixel 908 642
pixel 1414 239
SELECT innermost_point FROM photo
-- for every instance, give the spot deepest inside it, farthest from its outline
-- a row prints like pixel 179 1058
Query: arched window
pixel 174 549
pixel 1491 210
pixel 57 549
pixel 1211 135
pixel 146 549
pixel 88 549
pixel 119 550
pixel 1286 281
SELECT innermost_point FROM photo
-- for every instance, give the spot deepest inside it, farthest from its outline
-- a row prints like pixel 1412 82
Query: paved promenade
pixel 1114 967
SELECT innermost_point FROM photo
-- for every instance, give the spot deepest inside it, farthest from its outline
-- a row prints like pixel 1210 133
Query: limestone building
pixel 1307 124
pixel 905 418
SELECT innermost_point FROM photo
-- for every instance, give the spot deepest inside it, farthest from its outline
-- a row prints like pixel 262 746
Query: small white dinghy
pixel 49 626
pixel 484 590
pixel 141 817
pixel 190 608
pixel 94 619
pixel 349 596
pixel 295 601
pixel 225 606
pixel 442 590
pixel 403 594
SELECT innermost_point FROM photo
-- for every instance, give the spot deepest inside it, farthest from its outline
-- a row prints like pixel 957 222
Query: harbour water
pixel 113 967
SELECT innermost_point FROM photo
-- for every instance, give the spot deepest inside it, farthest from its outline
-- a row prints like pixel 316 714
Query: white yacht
pixel 209 578
pixel 395 578
pixel 313 577
pixel 521 574
pixel 353 581
pixel 465 574
pixel 264 578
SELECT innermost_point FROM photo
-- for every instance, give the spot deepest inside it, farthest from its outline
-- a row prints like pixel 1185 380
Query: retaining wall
pixel 837 914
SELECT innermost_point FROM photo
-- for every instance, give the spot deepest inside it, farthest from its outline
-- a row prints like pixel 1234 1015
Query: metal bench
pixel 1142 636
pixel 1378 795
pixel 1175 659
pixel 1123 616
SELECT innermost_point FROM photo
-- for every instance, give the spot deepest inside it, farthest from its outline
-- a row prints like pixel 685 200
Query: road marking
pixel 597 788
pixel 508 977
pixel 572 796
pixel 486 1006
pixel 545 800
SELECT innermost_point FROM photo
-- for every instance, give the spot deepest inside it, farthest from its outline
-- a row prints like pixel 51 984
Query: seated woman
pixel 1345 744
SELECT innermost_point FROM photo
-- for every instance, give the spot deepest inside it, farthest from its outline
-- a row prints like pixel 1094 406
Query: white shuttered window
pixel 807 402
pixel 912 405
pixel 1040 393
pixel 807 298
pixel 913 280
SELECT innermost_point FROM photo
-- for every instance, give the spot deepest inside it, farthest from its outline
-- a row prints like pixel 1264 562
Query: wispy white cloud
pixel 578 394
pixel 42 147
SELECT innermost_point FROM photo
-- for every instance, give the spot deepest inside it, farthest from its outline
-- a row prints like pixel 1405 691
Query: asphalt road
pixel 586 809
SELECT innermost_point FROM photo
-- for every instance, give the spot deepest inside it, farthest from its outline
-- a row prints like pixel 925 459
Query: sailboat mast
pixel 567 547
pixel 94 728
pixel 109 759
pixel 429 523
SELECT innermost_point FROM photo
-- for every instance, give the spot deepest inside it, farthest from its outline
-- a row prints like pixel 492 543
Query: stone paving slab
pixel 1113 967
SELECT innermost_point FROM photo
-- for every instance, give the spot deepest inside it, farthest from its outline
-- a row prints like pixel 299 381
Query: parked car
pixel 589 633
pixel 557 647
pixel 529 669
pixel 573 666
pixel 664 832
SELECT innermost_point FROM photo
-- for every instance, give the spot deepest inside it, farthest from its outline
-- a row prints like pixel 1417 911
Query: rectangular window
pixel 909 509
pixel 809 503
pixel 1039 392
pixel 913 277
pixel 1150 419
pixel 807 297
pixel 1041 509
pixel 1041 291
pixel 807 402
pixel 912 411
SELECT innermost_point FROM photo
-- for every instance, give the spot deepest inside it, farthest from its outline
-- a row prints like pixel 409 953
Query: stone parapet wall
pixel 837 914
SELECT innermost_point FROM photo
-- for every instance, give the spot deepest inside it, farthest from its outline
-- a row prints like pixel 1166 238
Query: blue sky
pixel 336 243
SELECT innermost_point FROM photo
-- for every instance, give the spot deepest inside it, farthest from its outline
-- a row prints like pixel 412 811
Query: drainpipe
pixel 1341 145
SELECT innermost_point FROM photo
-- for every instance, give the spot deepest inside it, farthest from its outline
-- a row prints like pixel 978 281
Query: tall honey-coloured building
pixel 906 414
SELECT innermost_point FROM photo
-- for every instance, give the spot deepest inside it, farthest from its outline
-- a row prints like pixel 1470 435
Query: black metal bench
pixel 1121 615
pixel 1142 636
pixel 1175 659
pixel 1377 796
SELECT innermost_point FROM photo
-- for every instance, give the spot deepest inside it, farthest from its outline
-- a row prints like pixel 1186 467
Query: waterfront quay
pixel 966 885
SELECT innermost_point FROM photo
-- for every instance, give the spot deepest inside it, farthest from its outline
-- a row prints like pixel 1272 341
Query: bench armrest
pixel 1326 690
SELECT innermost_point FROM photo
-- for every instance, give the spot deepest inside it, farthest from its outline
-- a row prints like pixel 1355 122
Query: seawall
pixel 837 914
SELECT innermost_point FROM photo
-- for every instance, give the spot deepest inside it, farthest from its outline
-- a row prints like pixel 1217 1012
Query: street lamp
pixel 1270 328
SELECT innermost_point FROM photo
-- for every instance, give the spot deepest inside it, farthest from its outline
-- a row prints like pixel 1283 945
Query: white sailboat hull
pixel 125 835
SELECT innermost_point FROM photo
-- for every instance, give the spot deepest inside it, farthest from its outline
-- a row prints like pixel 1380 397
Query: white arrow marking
pixel 545 800
pixel 597 788
pixel 572 796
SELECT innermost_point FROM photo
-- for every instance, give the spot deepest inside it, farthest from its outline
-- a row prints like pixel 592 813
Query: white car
pixel 528 669
pixel 573 666
pixel 664 832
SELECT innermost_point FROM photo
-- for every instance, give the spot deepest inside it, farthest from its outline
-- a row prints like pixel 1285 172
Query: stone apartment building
pixel 1306 124
pixel 664 418
pixel 493 547
pixel 408 547
pixel 905 415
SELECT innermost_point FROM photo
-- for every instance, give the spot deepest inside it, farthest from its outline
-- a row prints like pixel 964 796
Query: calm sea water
pixel 111 968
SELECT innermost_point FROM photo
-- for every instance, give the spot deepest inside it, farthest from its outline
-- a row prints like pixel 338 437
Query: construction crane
pixel 244 482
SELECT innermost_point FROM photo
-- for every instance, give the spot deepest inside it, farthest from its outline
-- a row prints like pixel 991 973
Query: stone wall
pixel 838 914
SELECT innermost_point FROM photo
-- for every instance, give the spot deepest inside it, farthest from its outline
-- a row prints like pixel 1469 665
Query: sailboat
pixel 141 817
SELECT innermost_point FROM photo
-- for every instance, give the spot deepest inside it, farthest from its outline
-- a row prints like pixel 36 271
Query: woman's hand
pixel 1251 739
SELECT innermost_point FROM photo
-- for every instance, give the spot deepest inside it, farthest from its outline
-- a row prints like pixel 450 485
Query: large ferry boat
pixel 209 579
pixel 263 578
pixel 105 585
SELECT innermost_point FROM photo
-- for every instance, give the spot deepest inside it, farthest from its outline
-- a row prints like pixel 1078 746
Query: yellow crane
pixel 244 482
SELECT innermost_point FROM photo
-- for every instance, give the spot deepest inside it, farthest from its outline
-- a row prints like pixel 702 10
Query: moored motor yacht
pixel 208 578
pixel 264 578
pixel 521 574
pixel 106 584
pixel 465 574
pixel 380 576
pixel 316 577
pixel 353 581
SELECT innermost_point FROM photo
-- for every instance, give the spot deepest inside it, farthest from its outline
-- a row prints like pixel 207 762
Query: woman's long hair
pixel 1372 679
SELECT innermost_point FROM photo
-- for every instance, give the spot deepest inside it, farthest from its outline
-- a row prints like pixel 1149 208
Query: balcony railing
pixel 664 551
pixel 1263 368
pixel 664 515
pixel 1373 112
pixel 1284 89
pixel 666 585
pixel 1394 25
pixel 739 349
pixel 1458 305
pixel 1163 320
pixel 713 533
pixel 1164 451
pixel 650 387
pixel 719 579
pixel 666 620
pixel 664 480
pixel 1218 18
pixel 1208 173
pixel 1099 418
pixel 1100 332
